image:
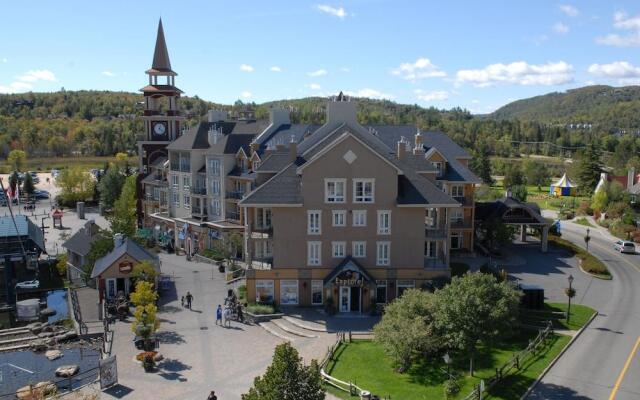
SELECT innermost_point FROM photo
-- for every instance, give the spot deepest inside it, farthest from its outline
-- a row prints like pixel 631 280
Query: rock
pixel 35 327
pixel 60 338
pixel 46 388
pixel 50 342
pixel 48 328
pixel 158 357
pixel 47 312
pixel 38 346
pixel 44 335
pixel 53 354
pixel 25 392
pixel 65 371
pixel 71 335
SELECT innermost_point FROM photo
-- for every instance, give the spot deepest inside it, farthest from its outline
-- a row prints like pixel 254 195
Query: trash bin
pixel 364 395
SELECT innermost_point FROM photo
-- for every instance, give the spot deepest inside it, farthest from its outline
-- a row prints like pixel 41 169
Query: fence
pixel 349 387
pixel 515 363
pixel 66 385
pixel 77 314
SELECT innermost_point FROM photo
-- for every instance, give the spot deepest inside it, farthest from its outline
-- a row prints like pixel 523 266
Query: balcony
pixel 435 233
pixel 461 224
pixel 199 212
pixel 199 191
pixel 262 262
pixel 435 263
pixel 262 232
pixel 235 195
pixel 464 201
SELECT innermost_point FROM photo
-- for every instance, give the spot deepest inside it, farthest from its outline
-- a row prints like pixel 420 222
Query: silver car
pixel 624 247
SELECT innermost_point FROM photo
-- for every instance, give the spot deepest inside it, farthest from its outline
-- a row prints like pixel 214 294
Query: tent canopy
pixel 564 182
pixel 564 187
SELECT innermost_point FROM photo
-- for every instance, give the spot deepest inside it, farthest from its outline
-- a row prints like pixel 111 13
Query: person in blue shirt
pixel 219 315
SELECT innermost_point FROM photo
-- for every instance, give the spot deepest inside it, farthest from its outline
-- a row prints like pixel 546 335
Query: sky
pixel 478 55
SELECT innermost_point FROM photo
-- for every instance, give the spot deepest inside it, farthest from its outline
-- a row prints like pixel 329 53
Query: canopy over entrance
pixel 349 273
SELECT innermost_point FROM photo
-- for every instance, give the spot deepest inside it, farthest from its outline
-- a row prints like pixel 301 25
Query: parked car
pixel 39 194
pixel 625 247
pixel 55 173
pixel 34 284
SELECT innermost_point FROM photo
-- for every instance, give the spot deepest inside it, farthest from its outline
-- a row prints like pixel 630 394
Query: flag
pixel 9 193
pixel 17 194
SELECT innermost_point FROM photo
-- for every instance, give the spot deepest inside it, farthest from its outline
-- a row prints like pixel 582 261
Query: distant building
pixel 78 247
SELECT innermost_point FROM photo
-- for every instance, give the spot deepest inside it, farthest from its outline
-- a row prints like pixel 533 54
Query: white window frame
pixel 357 245
pixel 356 215
pixel 406 284
pixel 428 246
pixel 460 237
pixel 314 259
pixel 336 215
pixel 457 215
pixel 187 201
pixel 186 182
pixel 215 186
pixel 338 246
pixel 175 181
pixel 215 207
pixel 364 198
pixel 381 260
pixel 214 166
pixel 439 166
pixel 175 199
pixel 267 284
pixel 314 222
pixel 457 190
pixel 289 283
pixel 384 222
pixel 333 198
pixel 315 285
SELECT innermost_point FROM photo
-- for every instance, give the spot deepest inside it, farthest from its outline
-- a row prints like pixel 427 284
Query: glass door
pixel 345 298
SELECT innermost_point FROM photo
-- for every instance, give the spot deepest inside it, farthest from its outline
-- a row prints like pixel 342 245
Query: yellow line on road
pixel 624 370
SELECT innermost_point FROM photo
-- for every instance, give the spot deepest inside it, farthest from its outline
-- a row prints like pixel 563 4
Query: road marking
pixel 624 370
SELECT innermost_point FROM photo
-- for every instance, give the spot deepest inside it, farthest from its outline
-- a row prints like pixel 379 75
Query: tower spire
pixel 161 61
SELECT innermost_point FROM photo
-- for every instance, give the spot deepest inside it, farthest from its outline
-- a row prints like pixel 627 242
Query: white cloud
pixel 108 73
pixel 336 12
pixel 246 94
pixel 246 68
pixel 314 86
pixel 275 68
pixel 369 93
pixel 420 69
pixel 569 10
pixel 26 81
pixel 624 22
pixel 320 72
pixel 16 87
pixel 625 72
pixel 561 28
pixel 345 69
pixel 436 95
pixel 519 72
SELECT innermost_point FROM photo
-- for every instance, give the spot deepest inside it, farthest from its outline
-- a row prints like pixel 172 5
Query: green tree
pixel 17 159
pixel 512 176
pixel 287 378
pixel 494 233
pixel 100 247
pixel 14 180
pixel 536 173
pixel 519 192
pixel 27 185
pixel 600 199
pixel 475 308
pixel 123 218
pixel 589 168
pixel 406 328
pixel 481 165
pixel 61 264
pixel 110 187
pixel 75 185
pixel 144 298
pixel 144 271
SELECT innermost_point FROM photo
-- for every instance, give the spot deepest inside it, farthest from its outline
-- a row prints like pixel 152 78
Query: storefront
pixel 351 286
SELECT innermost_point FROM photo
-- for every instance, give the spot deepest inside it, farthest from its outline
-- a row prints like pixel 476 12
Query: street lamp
pixel 587 238
pixel 447 360
pixel 570 294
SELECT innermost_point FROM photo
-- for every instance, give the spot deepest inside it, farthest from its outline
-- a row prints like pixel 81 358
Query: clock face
pixel 159 128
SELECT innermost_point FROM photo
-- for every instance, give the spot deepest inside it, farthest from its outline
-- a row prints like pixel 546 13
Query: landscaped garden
pixel 589 263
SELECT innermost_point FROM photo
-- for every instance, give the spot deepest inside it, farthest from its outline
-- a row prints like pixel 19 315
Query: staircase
pixel 293 329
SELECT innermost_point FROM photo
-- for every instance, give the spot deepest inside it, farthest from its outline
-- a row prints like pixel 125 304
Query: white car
pixel 625 247
pixel 34 284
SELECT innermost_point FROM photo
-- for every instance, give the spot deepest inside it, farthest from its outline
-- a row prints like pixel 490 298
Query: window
pixel 316 292
pixel 404 285
pixel 384 222
pixel 215 187
pixel 363 190
pixel 381 292
pixel 457 191
pixel 215 207
pixel 289 292
pixel 176 199
pixel 156 193
pixel 264 291
pixel 456 215
pixel 186 182
pixel 334 190
pixel 359 217
pixel 359 249
pixel 175 181
pixel 255 165
pixel 111 290
pixel 456 240
pixel 339 217
pixel 313 253
pixel 187 201
pixel 383 253
pixel 438 165
pixel 313 222
pixel 214 167
pixel 430 248
pixel 338 249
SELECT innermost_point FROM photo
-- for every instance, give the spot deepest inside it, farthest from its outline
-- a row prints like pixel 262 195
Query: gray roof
pixel 128 247
pixel 391 134
pixel 80 242
pixel 283 188
pixel 274 162
pixel 235 134
pixel 26 228
pixel 284 133
pixel 498 208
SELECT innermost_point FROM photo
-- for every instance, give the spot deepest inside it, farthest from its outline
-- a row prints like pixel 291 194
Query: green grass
pixel 583 221
pixel 590 263
pixel 366 364
pixel 579 314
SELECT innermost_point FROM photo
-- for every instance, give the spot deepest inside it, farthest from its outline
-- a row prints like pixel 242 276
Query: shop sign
pixel 108 372
pixel 349 278
pixel 125 267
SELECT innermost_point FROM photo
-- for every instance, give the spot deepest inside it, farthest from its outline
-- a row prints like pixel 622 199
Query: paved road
pixel 600 364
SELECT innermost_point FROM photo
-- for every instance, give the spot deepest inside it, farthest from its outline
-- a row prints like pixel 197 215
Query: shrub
pixel 584 209
pixel 61 265
pixel 141 356
pixel 451 388
pixel 459 269
pixel 617 209
pixel 261 309
pixel 242 292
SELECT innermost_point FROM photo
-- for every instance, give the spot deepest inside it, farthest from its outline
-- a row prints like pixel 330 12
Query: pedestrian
pixel 227 317
pixel 219 315
pixel 182 301
pixel 189 298
pixel 212 396
pixel 239 312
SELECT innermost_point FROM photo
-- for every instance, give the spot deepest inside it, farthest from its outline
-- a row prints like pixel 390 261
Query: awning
pixel 349 273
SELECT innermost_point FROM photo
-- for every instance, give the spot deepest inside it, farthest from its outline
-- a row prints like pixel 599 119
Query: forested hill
pixel 611 108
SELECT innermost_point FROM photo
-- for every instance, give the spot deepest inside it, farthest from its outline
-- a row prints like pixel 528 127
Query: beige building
pixel 353 215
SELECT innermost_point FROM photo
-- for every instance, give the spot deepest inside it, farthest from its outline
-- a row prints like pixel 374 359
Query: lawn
pixel 579 316
pixel 540 197
pixel 583 221
pixel 366 364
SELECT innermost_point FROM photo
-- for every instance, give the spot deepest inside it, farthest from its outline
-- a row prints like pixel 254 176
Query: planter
pixel 256 318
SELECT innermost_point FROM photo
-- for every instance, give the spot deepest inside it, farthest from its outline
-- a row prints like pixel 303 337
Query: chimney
pixel 418 139
pixel 401 148
pixel 631 176
pixel 118 239
pixel 341 110
pixel 216 115
pixel 293 149
pixel 279 116
pixel 214 136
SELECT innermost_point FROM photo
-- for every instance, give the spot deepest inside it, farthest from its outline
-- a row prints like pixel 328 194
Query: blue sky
pixel 474 54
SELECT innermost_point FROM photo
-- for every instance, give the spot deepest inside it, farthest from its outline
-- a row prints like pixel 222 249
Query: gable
pixel 434 155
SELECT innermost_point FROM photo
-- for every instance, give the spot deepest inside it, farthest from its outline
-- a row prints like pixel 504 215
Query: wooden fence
pixel 349 387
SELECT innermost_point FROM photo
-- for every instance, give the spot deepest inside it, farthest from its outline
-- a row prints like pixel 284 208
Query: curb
pixel 274 332
pixel 601 277
pixel 555 360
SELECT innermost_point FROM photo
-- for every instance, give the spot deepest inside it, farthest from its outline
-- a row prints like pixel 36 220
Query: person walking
pixel 182 301
pixel 212 396
pixel 239 312
pixel 219 315
pixel 189 298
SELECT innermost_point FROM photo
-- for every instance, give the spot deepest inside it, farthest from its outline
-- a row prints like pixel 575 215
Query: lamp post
pixel 587 238
pixel 447 360
pixel 570 294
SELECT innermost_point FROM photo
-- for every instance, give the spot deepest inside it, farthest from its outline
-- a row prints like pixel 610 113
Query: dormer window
pixel 439 166
pixel 256 165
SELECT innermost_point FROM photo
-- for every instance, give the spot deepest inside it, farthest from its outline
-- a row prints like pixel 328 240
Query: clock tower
pixel 162 119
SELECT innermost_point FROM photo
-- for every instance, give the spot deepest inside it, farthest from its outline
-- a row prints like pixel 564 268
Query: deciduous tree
pixel 123 218
pixel 110 187
pixel 17 159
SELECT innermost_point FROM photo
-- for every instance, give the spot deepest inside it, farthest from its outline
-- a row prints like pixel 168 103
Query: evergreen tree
pixel 13 181
pixel 589 168
pixel 27 186
pixel 512 176
pixel 123 219
pixel 110 187
pixel 287 378
pixel 481 165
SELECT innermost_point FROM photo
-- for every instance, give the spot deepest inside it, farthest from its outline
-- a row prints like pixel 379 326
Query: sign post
pixel 108 372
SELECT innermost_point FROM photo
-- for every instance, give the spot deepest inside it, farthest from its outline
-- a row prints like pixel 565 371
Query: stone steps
pixel 307 325
pixel 288 327
pixel 273 329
